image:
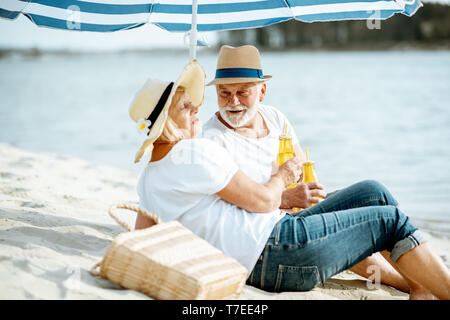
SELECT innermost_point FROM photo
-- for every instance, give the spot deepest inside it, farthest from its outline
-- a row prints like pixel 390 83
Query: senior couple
pixel 223 185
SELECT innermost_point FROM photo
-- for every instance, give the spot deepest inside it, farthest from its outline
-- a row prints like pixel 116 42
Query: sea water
pixel 382 115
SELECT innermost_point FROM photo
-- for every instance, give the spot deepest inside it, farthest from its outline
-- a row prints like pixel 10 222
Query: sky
pixel 22 33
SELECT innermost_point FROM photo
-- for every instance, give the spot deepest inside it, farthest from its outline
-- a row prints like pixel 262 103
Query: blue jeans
pixel 332 236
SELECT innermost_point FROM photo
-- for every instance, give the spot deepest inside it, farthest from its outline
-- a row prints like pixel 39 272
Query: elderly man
pixel 250 131
pixel 242 116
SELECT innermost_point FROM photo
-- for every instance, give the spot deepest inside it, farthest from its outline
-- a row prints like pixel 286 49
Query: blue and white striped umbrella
pixel 196 15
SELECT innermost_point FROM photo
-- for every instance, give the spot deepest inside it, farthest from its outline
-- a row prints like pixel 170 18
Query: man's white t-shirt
pixel 254 156
pixel 183 185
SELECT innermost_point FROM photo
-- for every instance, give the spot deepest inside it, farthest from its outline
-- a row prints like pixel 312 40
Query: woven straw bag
pixel 167 261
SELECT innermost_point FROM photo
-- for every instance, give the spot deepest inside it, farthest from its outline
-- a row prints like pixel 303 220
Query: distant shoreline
pixel 380 46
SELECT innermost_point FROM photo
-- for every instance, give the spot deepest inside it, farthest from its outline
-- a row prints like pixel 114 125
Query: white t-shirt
pixel 182 186
pixel 254 156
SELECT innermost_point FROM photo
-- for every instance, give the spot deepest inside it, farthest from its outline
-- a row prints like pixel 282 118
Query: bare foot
pixel 420 293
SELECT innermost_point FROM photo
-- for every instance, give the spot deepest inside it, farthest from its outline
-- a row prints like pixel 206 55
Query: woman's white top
pixel 183 185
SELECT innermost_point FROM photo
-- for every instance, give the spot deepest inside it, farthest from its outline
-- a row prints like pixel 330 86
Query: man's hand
pixel 302 195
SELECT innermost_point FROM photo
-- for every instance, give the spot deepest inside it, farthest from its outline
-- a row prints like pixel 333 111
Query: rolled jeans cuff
pixel 410 242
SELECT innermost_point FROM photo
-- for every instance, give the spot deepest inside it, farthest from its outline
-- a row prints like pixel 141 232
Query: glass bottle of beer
pixel 285 152
pixel 309 173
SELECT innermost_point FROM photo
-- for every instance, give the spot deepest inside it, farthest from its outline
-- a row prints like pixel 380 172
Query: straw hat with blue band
pixel 238 65
pixel 150 106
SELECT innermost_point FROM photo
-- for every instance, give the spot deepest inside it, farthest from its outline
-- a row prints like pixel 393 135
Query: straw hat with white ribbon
pixel 150 106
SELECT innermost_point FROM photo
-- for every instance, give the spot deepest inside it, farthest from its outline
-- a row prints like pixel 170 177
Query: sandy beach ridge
pixel 54 227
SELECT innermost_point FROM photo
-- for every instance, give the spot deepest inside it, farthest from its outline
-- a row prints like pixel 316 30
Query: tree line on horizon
pixel 429 26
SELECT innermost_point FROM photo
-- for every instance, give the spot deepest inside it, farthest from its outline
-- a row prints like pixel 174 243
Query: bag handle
pixel 95 269
pixel 125 225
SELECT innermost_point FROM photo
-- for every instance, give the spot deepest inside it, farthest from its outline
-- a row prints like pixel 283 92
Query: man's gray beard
pixel 249 114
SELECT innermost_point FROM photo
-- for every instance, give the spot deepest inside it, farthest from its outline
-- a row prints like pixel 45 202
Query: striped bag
pixel 167 261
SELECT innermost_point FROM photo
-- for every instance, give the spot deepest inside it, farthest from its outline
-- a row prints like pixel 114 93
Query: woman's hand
pixel 290 171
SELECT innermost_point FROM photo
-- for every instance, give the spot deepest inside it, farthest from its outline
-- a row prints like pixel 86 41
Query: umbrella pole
pixel 193 34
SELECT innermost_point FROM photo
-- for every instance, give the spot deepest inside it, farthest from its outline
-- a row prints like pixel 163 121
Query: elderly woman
pixel 196 182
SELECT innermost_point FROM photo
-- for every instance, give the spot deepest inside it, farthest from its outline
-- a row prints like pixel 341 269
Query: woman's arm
pixel 254 197
pixel 143 222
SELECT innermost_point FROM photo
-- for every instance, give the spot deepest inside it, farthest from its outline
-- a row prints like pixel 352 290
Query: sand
pixel 54 226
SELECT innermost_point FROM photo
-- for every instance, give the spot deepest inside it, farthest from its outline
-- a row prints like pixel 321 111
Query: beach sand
pixel 54 226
